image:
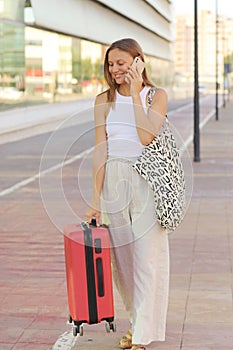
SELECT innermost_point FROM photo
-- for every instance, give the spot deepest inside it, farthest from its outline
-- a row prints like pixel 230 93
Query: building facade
pixel 53 50
pixel 207 50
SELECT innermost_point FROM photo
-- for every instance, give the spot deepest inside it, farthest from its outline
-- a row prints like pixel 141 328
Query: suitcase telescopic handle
pixel 93 222
pixel 85 225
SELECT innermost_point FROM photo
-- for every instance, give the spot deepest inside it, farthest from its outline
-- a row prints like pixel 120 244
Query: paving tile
pixel 26 288
pixel 211 262
pixel 217 244
pixel 34 304
pixel 31 346
pixel 206 347
pixel 213 336
pixel 6 346
pixel 211 282
pixel 181 265
pixel 16 321
pixel 41 336
pixel 48 322
pixel 179 281
pixel 10 335
pixel 5 289
pixel 205 307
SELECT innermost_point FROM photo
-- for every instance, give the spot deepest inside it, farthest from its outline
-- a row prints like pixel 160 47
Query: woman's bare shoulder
pixel 160 96
pixel 102 97
pixel 161 92
pixel 102 107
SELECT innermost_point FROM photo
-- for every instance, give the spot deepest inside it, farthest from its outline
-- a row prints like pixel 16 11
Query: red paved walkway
pixel 32 276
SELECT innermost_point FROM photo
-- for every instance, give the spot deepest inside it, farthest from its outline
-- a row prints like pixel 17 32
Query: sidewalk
pixel 32 276
pixel 200 315
pixel 21 122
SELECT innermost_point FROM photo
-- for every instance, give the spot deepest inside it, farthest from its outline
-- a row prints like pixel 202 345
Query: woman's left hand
pixel 135 80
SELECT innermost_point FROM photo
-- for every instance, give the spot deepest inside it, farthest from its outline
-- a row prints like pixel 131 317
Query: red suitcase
pixel 89 276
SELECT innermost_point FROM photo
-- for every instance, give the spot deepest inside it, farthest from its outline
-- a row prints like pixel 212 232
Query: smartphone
pixel 139 65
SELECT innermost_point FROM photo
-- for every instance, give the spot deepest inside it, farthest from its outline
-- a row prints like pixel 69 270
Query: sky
pixel 187 6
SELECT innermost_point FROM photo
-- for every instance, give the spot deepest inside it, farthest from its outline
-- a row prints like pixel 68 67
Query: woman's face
pixel 118 63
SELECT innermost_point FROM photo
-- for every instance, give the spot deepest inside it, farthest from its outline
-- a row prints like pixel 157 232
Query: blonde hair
pixel 134 49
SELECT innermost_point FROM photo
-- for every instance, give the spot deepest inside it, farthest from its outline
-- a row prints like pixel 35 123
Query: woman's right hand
pixel 94 211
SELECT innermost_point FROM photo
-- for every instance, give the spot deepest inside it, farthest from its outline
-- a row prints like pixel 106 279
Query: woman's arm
pixel 147 124
pixel 99 158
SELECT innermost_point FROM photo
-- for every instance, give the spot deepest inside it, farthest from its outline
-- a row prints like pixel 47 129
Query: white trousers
pixel 140 250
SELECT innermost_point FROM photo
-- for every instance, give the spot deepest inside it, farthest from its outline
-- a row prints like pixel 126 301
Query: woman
pixel 124 124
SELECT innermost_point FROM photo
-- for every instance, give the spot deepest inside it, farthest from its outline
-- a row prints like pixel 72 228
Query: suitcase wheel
pixel 113 327
pixel 110 326
pixel 70 320
pixel 81 331
pixel 77 330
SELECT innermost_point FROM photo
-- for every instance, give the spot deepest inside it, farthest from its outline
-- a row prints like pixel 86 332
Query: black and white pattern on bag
pixel 160 165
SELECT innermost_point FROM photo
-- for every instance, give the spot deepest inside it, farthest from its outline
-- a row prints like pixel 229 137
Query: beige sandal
pixel 126 340
pixel 138 347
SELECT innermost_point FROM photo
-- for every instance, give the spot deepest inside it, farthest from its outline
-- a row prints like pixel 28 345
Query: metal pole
pixel 217 85
pixel 223 54
pixel 196 138
pixel 224 95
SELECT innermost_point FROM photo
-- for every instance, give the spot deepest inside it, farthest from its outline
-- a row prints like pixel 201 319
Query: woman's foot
pixel 126 340
pixel 138 347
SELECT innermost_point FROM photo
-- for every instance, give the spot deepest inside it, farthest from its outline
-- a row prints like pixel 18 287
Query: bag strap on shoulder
pixel 151 95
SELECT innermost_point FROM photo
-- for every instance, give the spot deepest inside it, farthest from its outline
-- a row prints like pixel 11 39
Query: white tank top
pixel 122 136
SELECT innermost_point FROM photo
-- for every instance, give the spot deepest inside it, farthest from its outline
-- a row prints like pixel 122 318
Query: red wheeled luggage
pixel 89 276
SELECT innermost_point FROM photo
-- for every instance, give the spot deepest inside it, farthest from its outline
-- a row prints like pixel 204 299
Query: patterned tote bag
pixel 160 165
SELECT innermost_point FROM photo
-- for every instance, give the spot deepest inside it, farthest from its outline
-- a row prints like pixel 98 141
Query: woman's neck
pixel 124 89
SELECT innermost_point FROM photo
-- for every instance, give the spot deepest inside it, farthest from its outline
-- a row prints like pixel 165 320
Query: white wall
pixel 105 21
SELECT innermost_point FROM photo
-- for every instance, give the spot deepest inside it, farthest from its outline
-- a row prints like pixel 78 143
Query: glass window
pixel 12 9
pixel 38 65
pixel 12 62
